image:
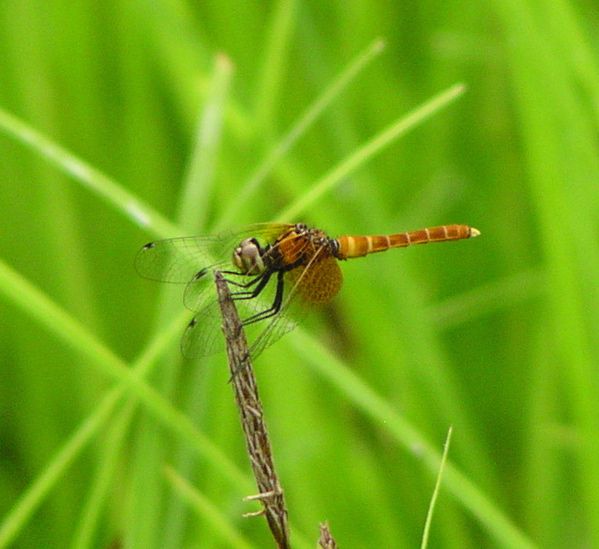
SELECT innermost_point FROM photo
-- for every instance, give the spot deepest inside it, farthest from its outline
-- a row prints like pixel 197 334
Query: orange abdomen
pixel 358 246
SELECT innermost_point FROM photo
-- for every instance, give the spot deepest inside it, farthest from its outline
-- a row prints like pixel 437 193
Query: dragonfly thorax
pixel 248 257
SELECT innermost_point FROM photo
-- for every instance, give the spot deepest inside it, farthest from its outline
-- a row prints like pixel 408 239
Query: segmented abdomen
pixel 358 246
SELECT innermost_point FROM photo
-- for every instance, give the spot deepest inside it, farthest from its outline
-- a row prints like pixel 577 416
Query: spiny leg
pixel 255 278
pixel 276 305
pixel 203 272
pixel 263 281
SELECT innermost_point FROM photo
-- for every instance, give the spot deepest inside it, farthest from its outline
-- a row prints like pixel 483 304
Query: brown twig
pixel 252 421
pixel 326 540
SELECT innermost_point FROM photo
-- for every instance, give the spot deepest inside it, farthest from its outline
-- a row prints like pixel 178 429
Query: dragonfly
pixel 276 272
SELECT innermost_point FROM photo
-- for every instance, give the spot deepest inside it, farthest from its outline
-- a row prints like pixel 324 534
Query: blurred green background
pixel 217 114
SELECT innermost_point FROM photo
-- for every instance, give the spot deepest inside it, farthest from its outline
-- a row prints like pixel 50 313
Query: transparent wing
pixel 180 259
pixel 203 335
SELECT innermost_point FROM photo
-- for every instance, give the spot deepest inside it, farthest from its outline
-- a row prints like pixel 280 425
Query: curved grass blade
pixel 370 149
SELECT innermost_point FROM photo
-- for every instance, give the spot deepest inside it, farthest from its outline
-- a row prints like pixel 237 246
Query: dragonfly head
pixel 247 257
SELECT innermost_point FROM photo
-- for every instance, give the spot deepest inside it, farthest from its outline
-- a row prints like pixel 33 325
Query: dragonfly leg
pixel 203 272
pixel 276 305
pixel 254 280
pixel 237 273
pixel 243 284
pixel 250 294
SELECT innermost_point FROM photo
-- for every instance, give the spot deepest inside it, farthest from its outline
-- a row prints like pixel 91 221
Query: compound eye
pixel 247 257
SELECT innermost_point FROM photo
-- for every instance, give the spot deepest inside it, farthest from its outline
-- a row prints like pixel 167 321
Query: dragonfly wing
pixel 280 325
pixel 178 259
pixel 192 261
pixel 200 288
pixel 203 335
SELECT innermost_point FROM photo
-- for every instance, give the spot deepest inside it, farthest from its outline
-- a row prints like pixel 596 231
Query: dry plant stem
pixel 250 409
pixel 326 540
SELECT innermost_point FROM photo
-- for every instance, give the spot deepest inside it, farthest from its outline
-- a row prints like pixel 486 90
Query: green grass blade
pixel 205 509
pixel 273 65
pixel 199 181
pixel 369 150
pixel 563 179
pixel 364 398
pixel 487 299
pixel 112 444
pixel 431 507
pixel 66 329
pixel 567 28
pixel 31 499
pixel 298 129
pixel 147 494
pixel 101 185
